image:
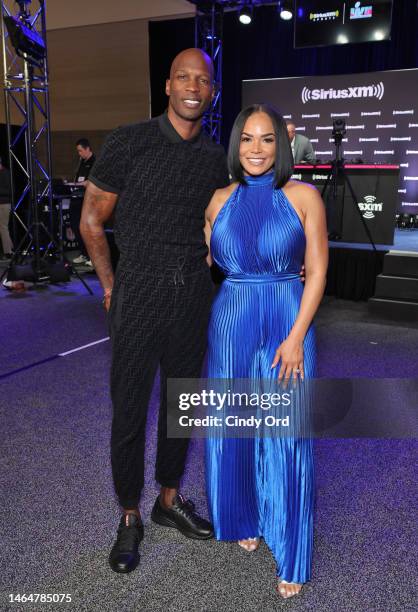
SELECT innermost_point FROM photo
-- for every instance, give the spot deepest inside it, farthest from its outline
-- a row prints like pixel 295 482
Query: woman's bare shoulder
pixel 225 192
pixel 298 187
pixel 302 193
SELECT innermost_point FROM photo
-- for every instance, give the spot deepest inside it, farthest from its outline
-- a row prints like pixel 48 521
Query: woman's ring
pixel 297 371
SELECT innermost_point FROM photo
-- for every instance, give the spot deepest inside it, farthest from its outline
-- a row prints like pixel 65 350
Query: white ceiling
pixel 68 14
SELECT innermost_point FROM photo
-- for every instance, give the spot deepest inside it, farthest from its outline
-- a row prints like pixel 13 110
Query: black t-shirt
pixel 84 169
pixel 164 184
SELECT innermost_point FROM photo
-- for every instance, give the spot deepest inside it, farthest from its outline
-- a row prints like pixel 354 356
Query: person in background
pixel 5 206
pixel 87 159
pixel 302 148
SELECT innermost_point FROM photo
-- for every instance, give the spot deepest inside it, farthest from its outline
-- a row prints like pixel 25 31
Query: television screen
pixel 332 22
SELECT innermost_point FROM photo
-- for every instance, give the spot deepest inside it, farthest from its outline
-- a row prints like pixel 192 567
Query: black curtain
pixel 264 49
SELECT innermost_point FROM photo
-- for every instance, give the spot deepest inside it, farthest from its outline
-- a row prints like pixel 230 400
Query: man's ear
pixel 167 87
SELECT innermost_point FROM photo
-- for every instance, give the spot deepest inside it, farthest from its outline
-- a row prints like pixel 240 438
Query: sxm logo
pixel 361 12
pixel 370 206
pixel 376 90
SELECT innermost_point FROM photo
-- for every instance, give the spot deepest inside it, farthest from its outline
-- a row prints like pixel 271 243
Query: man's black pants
pixel 155 321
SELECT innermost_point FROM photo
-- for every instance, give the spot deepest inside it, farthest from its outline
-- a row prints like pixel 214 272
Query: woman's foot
pixel 250 544
pixel 288 589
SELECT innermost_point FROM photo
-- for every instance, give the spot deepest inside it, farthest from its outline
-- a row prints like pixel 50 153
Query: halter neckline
pixel 263 179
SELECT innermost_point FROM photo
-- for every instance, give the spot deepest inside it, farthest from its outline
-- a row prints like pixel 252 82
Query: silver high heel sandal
pixel 282 590
pixel 249 544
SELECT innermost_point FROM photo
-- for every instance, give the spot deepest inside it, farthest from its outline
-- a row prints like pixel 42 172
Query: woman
pixel 261 229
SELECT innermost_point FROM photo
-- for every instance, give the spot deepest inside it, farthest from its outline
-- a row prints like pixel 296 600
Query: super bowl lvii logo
pixel 361 12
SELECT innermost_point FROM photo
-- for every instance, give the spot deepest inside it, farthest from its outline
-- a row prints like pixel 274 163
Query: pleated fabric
pixel 260 486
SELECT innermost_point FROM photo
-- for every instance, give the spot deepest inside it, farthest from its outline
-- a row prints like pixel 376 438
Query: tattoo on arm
pixel 98 206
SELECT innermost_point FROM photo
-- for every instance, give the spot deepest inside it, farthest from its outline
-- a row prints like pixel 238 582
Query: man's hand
pixel 302 273
pixel 106 300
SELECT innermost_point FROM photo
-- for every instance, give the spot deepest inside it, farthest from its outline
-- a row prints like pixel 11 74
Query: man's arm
pixel 309 154
pixel 98 206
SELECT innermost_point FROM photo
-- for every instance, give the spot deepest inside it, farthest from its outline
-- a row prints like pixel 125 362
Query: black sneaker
pixel 182 516
pixel 124 556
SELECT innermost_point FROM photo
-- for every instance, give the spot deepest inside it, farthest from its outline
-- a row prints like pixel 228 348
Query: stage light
pixel 27 42
pixel 286 10
pixel 342 39
pixel 246 15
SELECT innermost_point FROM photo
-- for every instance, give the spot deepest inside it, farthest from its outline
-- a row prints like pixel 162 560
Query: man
pixel 86 161
pixel 160 175
pixel 5 206
pixel 301 146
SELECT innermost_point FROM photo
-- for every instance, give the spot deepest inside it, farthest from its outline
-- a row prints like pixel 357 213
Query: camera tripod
pixel 336 172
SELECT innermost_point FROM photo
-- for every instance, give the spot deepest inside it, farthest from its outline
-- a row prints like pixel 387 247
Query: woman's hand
pixel 290 353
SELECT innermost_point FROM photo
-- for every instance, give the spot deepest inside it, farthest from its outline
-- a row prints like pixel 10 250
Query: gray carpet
pixel 59 513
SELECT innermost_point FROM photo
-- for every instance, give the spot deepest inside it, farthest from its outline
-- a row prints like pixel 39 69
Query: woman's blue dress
pixel 260 486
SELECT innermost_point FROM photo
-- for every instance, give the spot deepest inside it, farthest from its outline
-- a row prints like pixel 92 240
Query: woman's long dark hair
pixel 283 164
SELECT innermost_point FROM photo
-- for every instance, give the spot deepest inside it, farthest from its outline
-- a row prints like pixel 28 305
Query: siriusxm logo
pixel 361 12
pixel 370 206
pixel 363 91
pixel 324 16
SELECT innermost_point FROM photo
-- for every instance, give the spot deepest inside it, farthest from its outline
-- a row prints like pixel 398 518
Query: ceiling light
pixel 285 11
pixel 245 15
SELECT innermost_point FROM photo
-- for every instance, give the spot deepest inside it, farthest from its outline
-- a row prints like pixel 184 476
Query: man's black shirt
pixel 84 168
pixel 164 184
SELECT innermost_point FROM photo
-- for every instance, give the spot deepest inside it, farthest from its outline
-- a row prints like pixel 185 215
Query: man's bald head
pixel 291 129
pixel 192 56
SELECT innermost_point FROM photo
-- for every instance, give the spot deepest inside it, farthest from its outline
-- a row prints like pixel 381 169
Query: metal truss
pixel 208 36
pixel 26 91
